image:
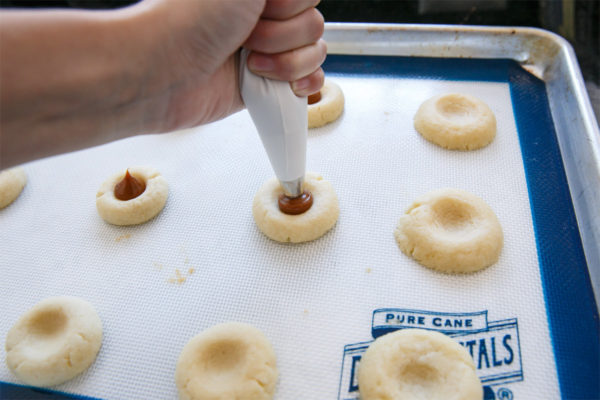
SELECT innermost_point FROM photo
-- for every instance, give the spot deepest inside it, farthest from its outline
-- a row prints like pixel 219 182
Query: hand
pixel 197 47
pixel 287 45
pixel 74 78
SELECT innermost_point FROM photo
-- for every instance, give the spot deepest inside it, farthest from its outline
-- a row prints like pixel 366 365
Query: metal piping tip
pixel 293 188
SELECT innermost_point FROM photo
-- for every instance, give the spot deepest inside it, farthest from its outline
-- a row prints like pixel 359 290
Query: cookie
pixel 138 209
pixel 450 230
pixel 227 361
pixel 56 340
pixel 310 225
pixel 12 182
pixel 417 364
pixel 328 108
pixel 456 121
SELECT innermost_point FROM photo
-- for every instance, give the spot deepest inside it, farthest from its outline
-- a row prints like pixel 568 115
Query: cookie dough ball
pixel 304 227
pixel 136 210
pixel 450 230
pixel 329 106
pixel 456 121
pixel 54 341
pixel 417 364
pixel 227 361
pixel 12 182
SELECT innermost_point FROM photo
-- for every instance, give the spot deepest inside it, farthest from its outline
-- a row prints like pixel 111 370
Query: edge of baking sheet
pixel 547 56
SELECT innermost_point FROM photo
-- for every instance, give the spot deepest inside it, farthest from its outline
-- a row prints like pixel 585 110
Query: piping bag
pixel 281 119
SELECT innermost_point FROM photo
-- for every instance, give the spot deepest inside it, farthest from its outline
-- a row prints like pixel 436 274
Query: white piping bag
pixel 281 120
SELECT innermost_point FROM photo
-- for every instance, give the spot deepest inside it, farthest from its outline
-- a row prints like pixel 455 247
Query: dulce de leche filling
pixel 314 98
pixel 295 205
pixel 129 187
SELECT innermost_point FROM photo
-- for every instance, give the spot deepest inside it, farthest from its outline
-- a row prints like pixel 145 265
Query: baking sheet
pixel 312 299
pixel 202 261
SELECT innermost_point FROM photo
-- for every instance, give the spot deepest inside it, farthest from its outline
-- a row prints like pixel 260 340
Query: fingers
pixel 290 65
pixel 272 36
pixel 286 45
pixel 285 9
pixel 309 84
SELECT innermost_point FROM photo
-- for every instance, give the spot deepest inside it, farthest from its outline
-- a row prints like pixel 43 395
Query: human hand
pixel 286 45
pixel 194 76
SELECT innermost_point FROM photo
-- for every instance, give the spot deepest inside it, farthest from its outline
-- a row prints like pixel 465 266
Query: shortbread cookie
pixel 12 182
pixel 456 121
pixel 139 209
pixel 417 364
pixel 310 225
pixel 54 341
pixel 450 230
pixel 227 361
pixel 328 108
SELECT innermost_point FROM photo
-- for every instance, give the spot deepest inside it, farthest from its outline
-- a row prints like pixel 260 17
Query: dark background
pixel 576 20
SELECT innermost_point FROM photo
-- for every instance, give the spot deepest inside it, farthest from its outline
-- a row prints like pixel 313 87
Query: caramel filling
pixel 129 187
pixel 295 205
pixel 314 98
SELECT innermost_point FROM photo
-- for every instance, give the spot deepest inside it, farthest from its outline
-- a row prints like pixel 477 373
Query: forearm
pixel 154 67
pixel 95 71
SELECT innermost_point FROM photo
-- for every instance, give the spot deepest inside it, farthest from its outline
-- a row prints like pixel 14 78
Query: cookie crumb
pixel 368 270
pixel 178 279
pixel 122 237
pixel 191 271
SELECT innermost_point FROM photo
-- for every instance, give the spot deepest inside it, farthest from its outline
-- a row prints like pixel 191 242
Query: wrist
pixel 98 72
pixel 138 61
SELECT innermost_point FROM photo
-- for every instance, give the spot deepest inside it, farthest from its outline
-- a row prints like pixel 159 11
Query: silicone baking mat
pixel 529 321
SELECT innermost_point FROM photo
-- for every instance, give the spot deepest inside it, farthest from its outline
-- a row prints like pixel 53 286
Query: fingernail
pixel 260 63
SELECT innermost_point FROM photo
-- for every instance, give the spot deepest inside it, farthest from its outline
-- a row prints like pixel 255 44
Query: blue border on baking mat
pixel 570 304
pixel 11 391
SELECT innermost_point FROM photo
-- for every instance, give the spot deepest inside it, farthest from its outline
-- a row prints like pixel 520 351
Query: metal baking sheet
pixel 321 303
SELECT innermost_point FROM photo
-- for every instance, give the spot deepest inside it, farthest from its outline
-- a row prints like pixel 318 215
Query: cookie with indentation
pixel 56 340
pixel 456 121
pixel 310 225
pixel 417 364
pixel 227 361
pixel 450 230
pixel 146 183
pixel 12 182
pixel 326 105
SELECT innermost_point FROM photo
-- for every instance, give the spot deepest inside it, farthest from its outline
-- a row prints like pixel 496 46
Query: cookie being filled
pixel 309 225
